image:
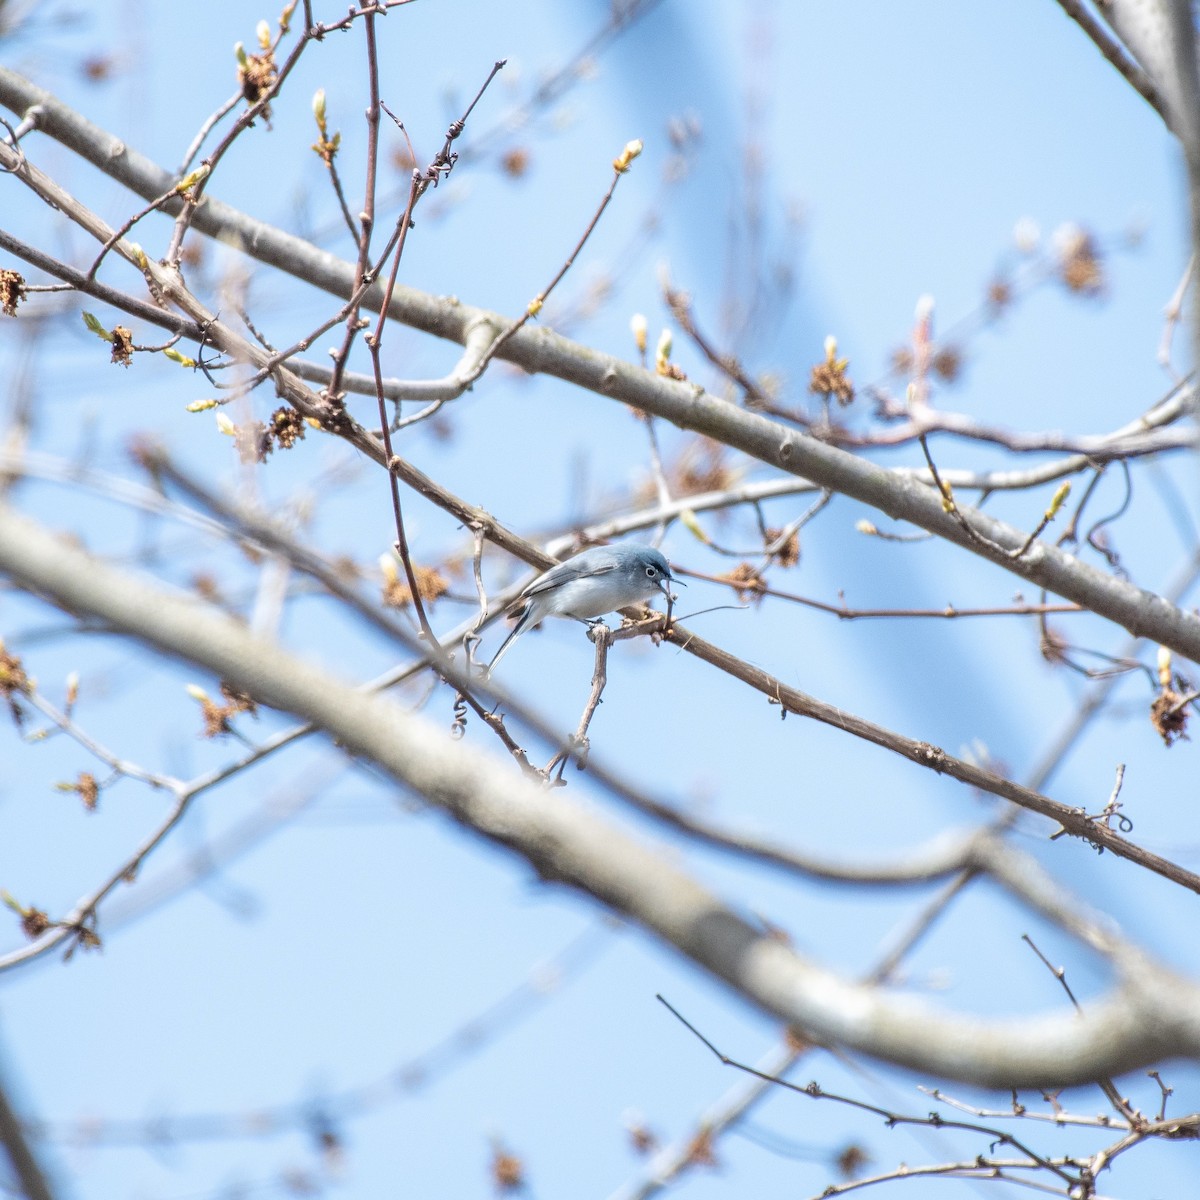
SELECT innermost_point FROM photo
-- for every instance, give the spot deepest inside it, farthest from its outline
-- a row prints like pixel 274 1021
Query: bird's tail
pixel 514 633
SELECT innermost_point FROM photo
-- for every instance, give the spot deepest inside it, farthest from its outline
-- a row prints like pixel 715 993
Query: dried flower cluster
pixel 257 73
pixel 746 582
pixel 431 584
pixel 1079 263
pixel 829 378
pixel 13 682
pixel 788 555
pixel 122 345
pixel 12 291
pixel 217 716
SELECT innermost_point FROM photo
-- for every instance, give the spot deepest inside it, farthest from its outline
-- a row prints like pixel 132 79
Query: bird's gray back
pixel 599 560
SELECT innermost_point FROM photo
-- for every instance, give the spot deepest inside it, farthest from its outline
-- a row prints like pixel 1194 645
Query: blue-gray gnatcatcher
pixel 598 581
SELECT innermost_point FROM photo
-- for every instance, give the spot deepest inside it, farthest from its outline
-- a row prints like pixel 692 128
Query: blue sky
pixel 898 147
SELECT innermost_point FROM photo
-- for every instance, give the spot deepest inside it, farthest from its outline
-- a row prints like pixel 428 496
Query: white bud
pixel 1026 235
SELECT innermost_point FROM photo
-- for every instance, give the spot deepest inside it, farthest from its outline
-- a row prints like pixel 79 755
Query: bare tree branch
pixel 30 1176
pixel 1151 1014
pixel 1141 612
pixel 1081 14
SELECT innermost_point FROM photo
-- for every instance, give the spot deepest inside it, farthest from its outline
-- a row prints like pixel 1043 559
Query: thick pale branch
pixel 1180 20
pixel 1141 612
pixel 1143 27
pixel 1116 54
pixel 1153 1014
pixel 168 284
pixel 1077 822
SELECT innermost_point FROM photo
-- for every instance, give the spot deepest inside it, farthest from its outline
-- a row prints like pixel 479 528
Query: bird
pixel 592 583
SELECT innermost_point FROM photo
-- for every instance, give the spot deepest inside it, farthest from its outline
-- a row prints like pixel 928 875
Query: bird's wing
pixel 566 572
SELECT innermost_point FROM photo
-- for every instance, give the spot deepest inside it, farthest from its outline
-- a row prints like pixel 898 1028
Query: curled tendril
pixel 1111 813
pixel 458 727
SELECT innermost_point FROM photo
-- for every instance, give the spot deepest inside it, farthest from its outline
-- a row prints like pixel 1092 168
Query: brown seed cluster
pixel 255 441
pixel 947 363
pixel 702 468
pixel 12 291
pixel 851 1161
pixel 12 674
pixel 642 1139
pixel 796 1041
pixel 13 683
pixel 1079 264
pixel 122 345
pixel 286 427
pixel 88 789
pixel 746 582
pixel 217 716
pixel 701 1152
pixel 238 701
pixel 829 378
pixel 515 162
pixel 508 1172
pixel 34 922
pixel 98 68
pixel 1169 714
pixel 431 586
pixel 999 296
pixel 257 76
pixel 788 555
pixel 669 370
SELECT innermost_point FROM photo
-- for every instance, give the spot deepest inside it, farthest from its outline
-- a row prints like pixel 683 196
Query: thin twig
pixel 1106 1085
pixel 601 636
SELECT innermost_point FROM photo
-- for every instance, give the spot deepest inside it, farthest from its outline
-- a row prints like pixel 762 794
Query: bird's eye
pixel 652 571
